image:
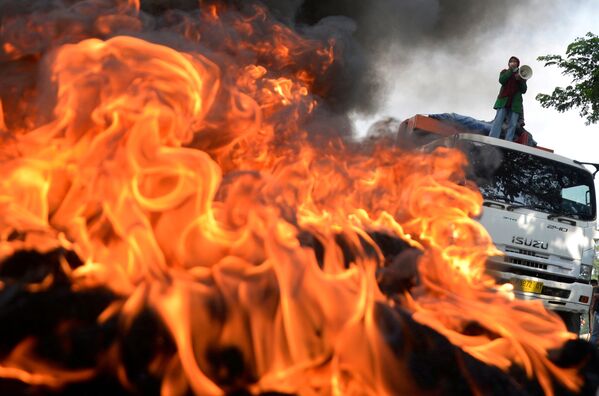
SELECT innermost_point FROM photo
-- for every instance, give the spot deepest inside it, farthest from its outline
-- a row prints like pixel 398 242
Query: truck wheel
pixel 572 321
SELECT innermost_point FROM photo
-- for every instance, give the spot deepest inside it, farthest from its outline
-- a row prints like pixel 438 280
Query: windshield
pixel 523 179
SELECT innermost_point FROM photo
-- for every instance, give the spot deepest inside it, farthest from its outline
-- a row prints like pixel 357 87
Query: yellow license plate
pixel 527 285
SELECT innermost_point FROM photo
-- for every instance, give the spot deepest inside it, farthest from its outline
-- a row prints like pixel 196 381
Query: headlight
pixel 585 272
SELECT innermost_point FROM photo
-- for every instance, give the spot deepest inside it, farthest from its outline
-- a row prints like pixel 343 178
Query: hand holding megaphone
pixel 524 72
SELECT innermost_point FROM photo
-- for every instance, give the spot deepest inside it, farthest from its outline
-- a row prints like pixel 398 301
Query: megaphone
pixel 525 72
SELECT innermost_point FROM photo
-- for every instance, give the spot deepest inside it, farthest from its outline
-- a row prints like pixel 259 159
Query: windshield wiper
pixel 550 216
pixel 556 215
pixel 498 199
pixel 521 206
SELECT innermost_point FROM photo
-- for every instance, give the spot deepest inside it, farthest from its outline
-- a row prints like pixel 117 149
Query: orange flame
pixel 185 184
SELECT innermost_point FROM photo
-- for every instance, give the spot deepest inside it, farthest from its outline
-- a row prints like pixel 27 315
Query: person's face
pixel 513 63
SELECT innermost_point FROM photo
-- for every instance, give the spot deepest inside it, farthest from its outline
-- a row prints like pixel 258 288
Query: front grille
pixel 527 263
pixel 534 272
pixel 527 252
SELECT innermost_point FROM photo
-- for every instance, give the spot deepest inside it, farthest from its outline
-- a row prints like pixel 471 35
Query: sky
pixel 461 76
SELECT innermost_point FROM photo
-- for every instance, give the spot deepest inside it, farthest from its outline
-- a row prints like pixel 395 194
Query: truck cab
pixel 540 210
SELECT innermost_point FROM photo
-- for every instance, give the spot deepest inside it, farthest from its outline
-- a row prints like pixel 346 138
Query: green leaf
pixel 582 65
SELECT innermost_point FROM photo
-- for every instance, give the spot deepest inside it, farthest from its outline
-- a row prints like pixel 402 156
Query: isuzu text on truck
pixel 539 208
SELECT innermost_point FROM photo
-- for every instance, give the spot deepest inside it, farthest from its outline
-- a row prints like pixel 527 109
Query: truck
pixel 538 207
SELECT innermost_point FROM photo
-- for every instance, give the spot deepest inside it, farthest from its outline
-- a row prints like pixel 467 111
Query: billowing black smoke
pixel 397 30
pixel 363 32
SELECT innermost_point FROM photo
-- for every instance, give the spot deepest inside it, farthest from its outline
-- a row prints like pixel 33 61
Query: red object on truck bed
pixel 420 123
pixel 420 129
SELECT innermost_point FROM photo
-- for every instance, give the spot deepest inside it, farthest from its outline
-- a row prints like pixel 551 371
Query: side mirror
pixel 596 166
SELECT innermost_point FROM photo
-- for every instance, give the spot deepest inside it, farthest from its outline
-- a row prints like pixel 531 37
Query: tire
pixel 572 321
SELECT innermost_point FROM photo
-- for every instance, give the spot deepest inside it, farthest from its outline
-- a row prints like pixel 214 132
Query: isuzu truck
pixel 539 208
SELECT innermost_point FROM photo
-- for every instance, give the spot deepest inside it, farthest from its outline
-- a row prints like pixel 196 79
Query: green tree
pixel 582 64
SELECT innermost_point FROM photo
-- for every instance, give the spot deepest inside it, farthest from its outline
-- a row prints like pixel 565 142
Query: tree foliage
pixel 582 64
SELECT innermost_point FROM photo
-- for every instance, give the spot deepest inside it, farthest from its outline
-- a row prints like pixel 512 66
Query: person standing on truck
pixel 594 312
pixel 509 100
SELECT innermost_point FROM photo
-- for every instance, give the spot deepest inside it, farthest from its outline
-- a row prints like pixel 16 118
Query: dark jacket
pixel 502 100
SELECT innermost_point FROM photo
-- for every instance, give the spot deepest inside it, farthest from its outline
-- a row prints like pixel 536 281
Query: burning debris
pixel 180 212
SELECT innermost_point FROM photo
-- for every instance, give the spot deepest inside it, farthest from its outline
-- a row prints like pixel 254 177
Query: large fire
pixel 183 176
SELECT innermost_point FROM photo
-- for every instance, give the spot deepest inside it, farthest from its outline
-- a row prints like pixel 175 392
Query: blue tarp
pixel 474 125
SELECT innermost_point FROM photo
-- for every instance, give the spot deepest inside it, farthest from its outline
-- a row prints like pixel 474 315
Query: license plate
pixel 527 285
